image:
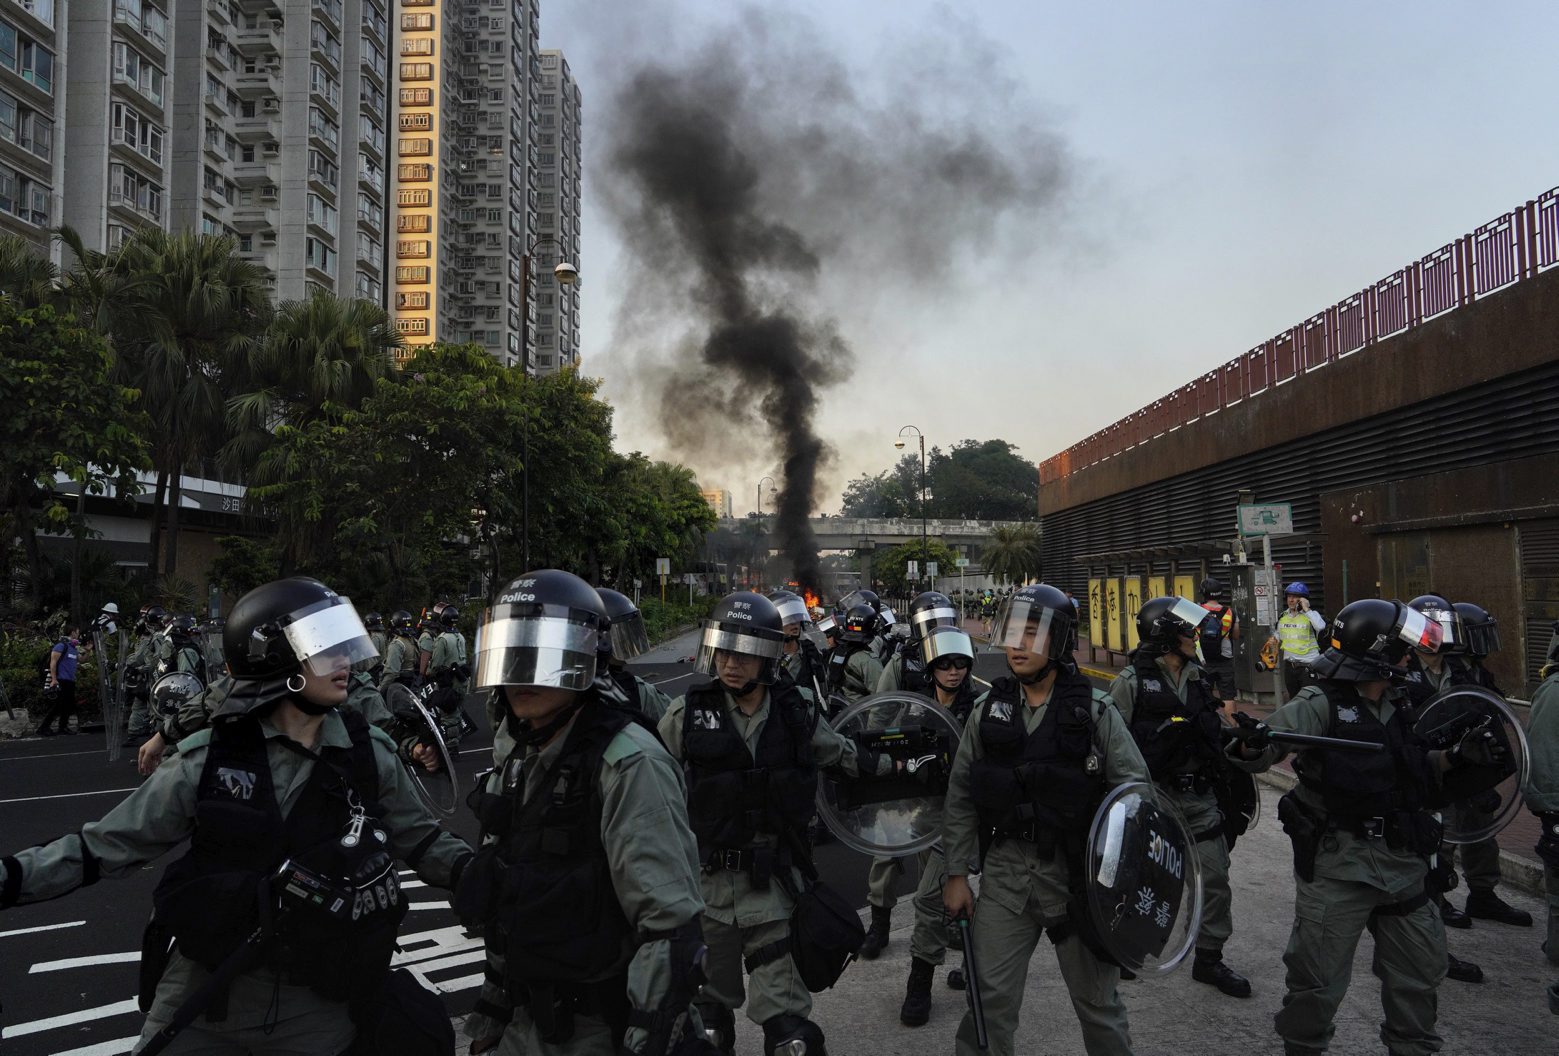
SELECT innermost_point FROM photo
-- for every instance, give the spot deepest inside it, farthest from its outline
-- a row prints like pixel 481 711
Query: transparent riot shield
pixel 902 813
pixel 420 743
pixel 174 690
pixel 1477 801
pixel 1144 880
pixel 108 700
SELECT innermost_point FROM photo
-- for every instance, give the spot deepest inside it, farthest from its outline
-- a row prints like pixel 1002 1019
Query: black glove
pixel 1250 733
pixel 1548 843
pixel 1478 747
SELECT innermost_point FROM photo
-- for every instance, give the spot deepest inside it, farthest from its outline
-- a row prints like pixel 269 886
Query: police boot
pixel 1209 968
pixel 1462 971
pixel 787 1035
pixel 1486 905
pixel 1450 916
pixel 877 934
pixel 719 1025
pixel 917 995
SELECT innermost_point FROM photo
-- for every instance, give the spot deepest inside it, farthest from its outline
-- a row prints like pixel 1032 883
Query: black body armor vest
pixel 913 676
pixel 1174 738
pixel 735 795
pixel 212 898
pixel 839 662
pixel 1367 784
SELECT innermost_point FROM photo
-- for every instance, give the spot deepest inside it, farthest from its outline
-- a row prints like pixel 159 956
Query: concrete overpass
pixel 864 533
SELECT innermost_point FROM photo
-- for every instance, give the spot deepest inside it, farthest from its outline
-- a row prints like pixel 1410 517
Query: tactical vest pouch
pixel 825 935
pixel 156 952
pixel 1305 829
pixel 476 899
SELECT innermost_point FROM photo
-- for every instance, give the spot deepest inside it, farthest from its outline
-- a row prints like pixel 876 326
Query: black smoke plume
pixel 758 179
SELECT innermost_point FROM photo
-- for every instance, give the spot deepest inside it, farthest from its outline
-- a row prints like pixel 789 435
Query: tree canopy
pixel 975 480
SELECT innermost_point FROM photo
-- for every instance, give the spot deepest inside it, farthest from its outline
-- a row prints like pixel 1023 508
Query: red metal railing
pixel 1507 249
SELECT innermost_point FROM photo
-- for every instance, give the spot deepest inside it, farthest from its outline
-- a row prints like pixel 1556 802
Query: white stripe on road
pixel 70 795
pixel 42 927
pixel 454 986
pixel 51 755
pixel 406 884
pixel 673 678
pixel 83 962
pixel 70 1019
pixel 414 906
pixel 103 1048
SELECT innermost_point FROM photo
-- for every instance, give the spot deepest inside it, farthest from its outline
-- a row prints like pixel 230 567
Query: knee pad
pixel 719 1025
pixel 789 1035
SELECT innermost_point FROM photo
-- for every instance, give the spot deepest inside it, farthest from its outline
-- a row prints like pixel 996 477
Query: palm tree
pixel 195 310
pixel 1013 552
pixel 99 285
pixel 320 356
pixel 26 275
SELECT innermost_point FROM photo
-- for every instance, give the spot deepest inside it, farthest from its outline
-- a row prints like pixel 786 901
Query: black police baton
pixel 1302 740
pixel 241 960
pixel 972 986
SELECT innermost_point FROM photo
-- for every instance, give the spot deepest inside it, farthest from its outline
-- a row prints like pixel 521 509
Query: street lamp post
pixel 925 545
pixel 566 275
pixel 760 491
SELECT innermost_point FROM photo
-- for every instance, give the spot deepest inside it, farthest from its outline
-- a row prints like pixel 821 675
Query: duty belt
pixel 1186 783
pixel 757 862
pixel 1043 837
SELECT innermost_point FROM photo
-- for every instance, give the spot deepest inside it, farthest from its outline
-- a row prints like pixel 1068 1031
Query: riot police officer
pixel 400 663
pixel 804 660
pixel 626 638
pixel 1172 713
pixel 448 668
pixel 1046 718
pixel 752 748
pixel 182 650
pixel 1362 830
pixel 1542 796
pixel 853 669
pixel 374 668
pixel 282 794
pixel 586 885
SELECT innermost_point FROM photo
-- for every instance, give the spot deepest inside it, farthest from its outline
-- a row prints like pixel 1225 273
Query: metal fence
pixel 1512 247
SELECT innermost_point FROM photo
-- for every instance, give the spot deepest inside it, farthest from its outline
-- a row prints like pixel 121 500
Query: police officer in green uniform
pixel 181 649
pixel 1172 713
pixel 904 670
pixel 428 629
pixel 138 675
pixel 749 721
pixel 586 886
pixel 449 663
pixel 947 653
pixel 805 644
pixel 400 662
pixel 281 776
pixel 1542 796
pixel 626 639
pixel 853 670
pixel 1363 832
pixel 1044 721
pixel 375 667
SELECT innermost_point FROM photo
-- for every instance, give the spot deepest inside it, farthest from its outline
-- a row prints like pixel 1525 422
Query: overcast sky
pixel 1233 167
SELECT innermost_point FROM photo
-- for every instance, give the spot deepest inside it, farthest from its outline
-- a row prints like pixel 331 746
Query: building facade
pixel 32 108
pixel 554 306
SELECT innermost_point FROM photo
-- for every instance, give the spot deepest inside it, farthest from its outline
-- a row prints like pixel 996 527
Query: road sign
pixel 931 570
pixel 663 566
pixel 913 571
pixel 1275 518
pixel 962 562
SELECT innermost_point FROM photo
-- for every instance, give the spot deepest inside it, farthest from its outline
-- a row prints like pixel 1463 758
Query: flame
pixel 813 601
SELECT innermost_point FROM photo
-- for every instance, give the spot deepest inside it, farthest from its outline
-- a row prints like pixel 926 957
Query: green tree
pixel 890 567
pixel 1012 553
pixel 64 415
pixel 245 562
pixel 983 480
pixel 892 493
pixel 27 277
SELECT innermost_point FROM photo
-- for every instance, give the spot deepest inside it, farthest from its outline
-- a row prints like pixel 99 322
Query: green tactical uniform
pixel 449 651
pixel 1359 883
pixel 739 918
pixel 1542 788
pixel 425 643
pixel 651 702
pixel 264 1014
pixel 400 663
pixel 654 865
pixel 378 638
pixel 1022 893
pixel 188 658
pixel 861 673
pixel 1201 812
pixel 143 658
pixel 364 698
pixel 196 713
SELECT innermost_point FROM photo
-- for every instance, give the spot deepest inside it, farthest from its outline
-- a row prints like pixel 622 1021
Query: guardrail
pixel 1507 249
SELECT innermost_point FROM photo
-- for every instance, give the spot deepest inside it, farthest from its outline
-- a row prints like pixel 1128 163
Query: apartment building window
pixel 415 299
pixel 412 274
pixel 22 55
pixel 374 19
pixel 415 122
pixel 374 57
pixel 322 127
pixel 368 287
pixel 414 198
pixel 372 97
pixel 373 175
pixel 23 197
pixel 416 71
pixel 325 43
pixel 321 82
pixel 416 22
pixel 414 148
pixel 42 10
pixel 129 188
pixel 414 223
pixel 367 247
pixel 321 213
pixel 318 255
pixel 368 209
pixel 130 68
pixel 417 46
pixel 414 173
pixel 413 248
pixel 322 168
pixel 373 136
pixel 117 235
pixel 412 326
pixel 26 127
pixel 331 8
pixel 416 96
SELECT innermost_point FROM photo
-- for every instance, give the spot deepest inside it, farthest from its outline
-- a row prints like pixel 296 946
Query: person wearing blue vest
pixel 60 687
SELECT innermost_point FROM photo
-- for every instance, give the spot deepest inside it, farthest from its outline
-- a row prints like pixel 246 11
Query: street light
pixel 567 275
pixel 925 545
pixel 772 489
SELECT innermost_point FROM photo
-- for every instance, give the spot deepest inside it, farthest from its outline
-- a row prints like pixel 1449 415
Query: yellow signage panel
pixel 1185 587
pixel 1096 611
pixel 1158 587
pixel 1112 596
pixel 1133 603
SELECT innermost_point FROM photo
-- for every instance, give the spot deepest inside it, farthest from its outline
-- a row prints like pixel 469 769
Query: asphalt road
pixel 68 967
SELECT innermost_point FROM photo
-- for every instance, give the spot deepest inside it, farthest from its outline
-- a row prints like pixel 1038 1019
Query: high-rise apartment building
pixel 554 305
pixel 32 106
pixel 463 165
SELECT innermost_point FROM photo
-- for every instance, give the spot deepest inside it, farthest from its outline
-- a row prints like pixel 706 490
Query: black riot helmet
pixel 792 608
pixel 930 609
pixel 1436 608
pixel 182 628
pixel 1037 618
pixel 156 618
pixel 277 630
pixel 373 621
pixel 859 624
pixel 1481 630
pixel 626 636
pixel 1211 589
pixel 449 616
pixel 401 623
pixel 543 629
pixel 1162 622
pixel 862 597
pixel 747 624
pixel 1370 638
pixel 942 643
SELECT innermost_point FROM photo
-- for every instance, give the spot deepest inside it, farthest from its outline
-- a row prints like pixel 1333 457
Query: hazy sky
pixel 1233 167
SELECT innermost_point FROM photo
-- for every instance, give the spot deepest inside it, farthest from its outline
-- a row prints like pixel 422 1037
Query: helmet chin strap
pixel 1036 677
pixel 531 735
pixel 308 707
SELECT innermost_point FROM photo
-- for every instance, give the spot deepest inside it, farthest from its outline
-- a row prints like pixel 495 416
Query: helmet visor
pixel 628 637
pixel 1025 624
pixel 328 636
pixel 721 640
pixel 793 610
pixel 1419 632
pixel 827 625
pixel 944 642
pixel 539 645
pixel 1453 634
pixel 1190 616
pixel 857 597
pixel 924 620
pixel 1482 638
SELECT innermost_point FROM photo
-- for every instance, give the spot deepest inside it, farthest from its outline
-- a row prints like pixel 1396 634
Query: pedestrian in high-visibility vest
pixel 1297 631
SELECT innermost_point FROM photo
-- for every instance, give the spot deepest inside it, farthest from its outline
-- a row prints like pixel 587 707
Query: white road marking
pixel 42 927
pixel 414 906
pixel 51 755
pixel 454 986
pixel 70 1019
pixel 69 795
pixel 406 884
pixel 83 962
pixel 103 1048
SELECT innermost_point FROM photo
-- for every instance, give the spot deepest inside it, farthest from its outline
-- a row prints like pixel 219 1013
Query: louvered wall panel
pixel 1540 589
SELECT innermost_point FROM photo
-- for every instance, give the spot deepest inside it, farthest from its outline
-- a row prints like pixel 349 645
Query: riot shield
pixel 902 813
pixel 174 690
pixel 113 731
pixel 1477 801
pixel 1144 880
pixel 416 726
